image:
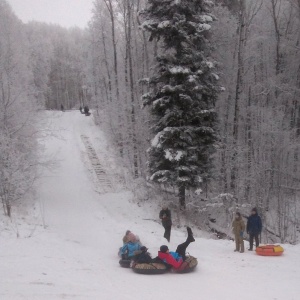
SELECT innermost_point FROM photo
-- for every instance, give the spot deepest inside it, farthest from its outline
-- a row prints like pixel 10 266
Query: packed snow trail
pixel 75 257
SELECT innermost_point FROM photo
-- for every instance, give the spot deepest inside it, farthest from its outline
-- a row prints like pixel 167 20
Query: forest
pixel 237 148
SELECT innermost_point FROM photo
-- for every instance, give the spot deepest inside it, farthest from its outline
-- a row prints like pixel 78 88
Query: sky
pixel 67 13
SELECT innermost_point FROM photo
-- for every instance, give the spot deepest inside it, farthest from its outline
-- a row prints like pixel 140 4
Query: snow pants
pixel 239 243
pixel 167 234
pixel 181 249
pixel 251 239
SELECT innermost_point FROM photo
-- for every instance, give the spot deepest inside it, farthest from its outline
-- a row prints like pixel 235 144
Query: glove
pixel 241 233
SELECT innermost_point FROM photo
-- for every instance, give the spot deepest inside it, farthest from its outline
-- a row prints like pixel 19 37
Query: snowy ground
pixel 75 257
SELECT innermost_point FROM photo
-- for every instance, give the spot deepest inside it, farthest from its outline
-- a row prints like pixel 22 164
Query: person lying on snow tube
pixel 128 250
pixel 142 256
pixel 176 259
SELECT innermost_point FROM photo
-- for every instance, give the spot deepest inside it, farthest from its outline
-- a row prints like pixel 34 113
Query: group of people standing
pixel 253 228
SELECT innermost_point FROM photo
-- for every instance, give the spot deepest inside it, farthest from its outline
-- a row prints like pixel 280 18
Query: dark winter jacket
pixel 165 216
pixel 142 257
pixel 254 225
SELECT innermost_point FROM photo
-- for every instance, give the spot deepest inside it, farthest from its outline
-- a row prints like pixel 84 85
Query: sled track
pixel 102 176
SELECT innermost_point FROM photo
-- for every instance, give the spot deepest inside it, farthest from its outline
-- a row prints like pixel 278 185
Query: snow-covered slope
pixel 75 257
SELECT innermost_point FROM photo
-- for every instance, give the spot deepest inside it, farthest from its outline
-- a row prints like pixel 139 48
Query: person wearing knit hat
pixel 238 226
pixel 176 259
pixel 125 238
pixel 254 227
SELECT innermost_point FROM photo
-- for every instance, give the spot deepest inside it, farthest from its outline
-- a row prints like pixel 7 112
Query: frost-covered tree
pixel 183 95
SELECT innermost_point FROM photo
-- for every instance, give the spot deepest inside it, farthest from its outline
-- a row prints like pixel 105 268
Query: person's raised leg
pixel 181 249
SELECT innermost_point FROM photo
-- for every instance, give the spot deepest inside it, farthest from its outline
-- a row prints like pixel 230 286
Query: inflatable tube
pixel 125 263
pixel 187 266
pixel 269 250
pixel 150 269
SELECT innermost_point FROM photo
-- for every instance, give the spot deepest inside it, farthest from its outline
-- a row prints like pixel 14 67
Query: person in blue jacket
pixel 254 227
pixel 129 249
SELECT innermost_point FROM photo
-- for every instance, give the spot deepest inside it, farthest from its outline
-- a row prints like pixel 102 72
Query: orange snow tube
pixel 269 250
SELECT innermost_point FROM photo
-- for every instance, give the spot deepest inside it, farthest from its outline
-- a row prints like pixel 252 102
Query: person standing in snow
pixel 176 259
pixel 238 226
pixel 254 227
pixel 165 216
pixel 86 110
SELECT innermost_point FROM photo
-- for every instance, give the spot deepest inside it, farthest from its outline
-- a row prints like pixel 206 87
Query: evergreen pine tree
pixel 183 94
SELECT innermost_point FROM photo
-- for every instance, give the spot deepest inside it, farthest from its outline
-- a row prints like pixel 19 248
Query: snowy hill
pixel 86 211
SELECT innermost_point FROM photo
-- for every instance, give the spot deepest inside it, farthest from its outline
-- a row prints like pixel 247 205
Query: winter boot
pixel 190 235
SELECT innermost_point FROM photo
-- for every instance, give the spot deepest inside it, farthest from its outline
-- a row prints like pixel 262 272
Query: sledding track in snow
pixel 102 176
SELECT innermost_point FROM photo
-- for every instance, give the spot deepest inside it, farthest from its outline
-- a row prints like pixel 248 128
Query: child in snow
pixel 238 226
pixel 176 259
pixel 128 250
pixel 165 216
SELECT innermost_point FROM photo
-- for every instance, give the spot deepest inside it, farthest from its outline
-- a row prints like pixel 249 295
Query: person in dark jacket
pixel 86 110
pixel 165 216
pixel 254 227
pixel 176 259
pixel 143 256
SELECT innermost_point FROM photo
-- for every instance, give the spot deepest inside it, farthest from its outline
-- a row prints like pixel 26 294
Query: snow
pixel 179 70
pixel 204 27
pixel 156 140
pixel 75 256
pixel 164 24
pixel 210 64
pixel 206 19
pixel 174 155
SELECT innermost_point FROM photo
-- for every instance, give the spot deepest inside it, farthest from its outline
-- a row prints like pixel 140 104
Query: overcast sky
pixel 67 13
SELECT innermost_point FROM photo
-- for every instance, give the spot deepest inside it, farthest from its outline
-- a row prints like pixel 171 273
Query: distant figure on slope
pixel 80 109
pixel 129 249
pixel 238 226
pixel 176 259
pixel 165 216
pixel 86 110
pixel 254 227
pixel 62 107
